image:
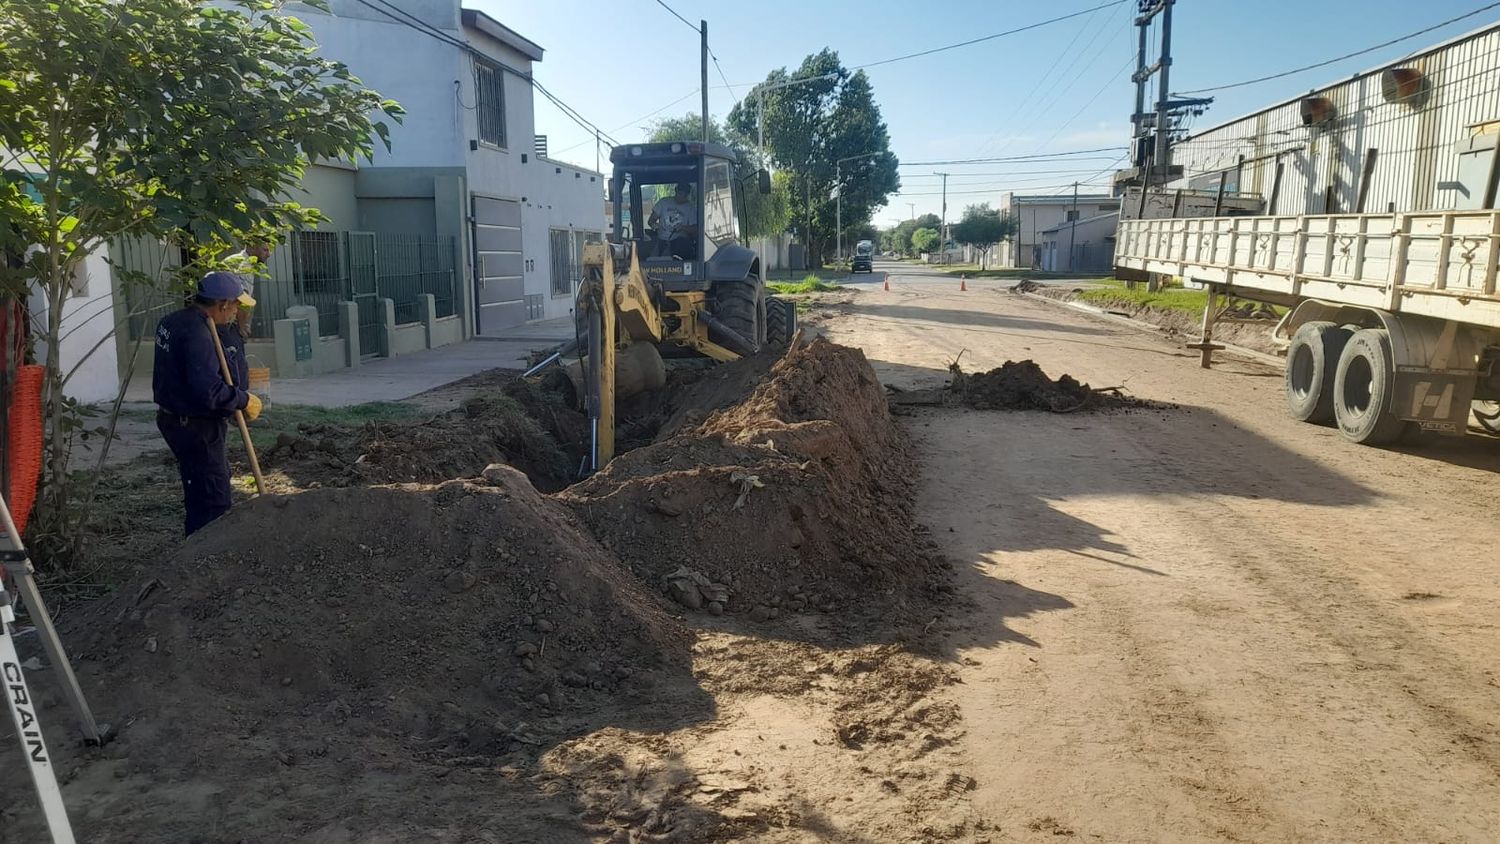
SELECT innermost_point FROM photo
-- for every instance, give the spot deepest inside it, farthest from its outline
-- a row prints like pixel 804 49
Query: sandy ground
pixel 1210 623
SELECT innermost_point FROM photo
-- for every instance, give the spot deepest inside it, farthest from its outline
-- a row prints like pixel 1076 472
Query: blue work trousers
pixel 198 444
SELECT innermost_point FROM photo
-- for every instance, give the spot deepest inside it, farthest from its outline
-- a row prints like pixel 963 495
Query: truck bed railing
pixel 1440 264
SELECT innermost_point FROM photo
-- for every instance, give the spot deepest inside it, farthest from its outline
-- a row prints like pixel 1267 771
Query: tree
pixel 765 215
pixel 809 128
pixel 924 240
pixel 901 237
pixel 170 120
pixel 982 227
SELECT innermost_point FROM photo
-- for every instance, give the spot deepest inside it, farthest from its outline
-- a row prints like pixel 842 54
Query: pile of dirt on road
pixel 1022 385
pixel 797 496
pixel 304 642
pixel 493 427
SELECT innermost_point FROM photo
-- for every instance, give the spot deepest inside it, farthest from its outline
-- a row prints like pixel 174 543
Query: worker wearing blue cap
pixel 194 401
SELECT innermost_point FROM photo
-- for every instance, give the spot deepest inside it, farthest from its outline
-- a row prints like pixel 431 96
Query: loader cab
pixel 679 205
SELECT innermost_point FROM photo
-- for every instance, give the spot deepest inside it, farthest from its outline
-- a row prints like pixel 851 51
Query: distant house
pixel 1036 214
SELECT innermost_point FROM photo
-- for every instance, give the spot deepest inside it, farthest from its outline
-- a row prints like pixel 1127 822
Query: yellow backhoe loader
pixel 673 278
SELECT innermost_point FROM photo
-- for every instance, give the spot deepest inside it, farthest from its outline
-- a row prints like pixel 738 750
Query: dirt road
pixel 1213 623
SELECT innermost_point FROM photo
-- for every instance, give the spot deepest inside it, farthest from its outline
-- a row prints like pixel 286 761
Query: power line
pixel 416 24
pixel 723 77
pixel 1010 158
pixel 690 24
pixel 1337 59
pixel 1052 95
pixel 984 38
pixel 1032 93
pixel 634 121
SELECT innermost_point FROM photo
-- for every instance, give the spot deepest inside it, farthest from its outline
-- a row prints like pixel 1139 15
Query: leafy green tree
pixel 924 240
pixel 765 215
pixel 169 120
pixel 901 236
pixel 981 228
pixel 810 129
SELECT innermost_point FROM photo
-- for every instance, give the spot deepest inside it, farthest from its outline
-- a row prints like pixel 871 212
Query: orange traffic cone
pixel 887 284
pixel 963 283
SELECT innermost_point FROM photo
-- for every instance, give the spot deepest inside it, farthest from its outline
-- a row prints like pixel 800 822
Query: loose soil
pixel 1022 385
pixel 491 427
pixel 464 658
pixel 796 497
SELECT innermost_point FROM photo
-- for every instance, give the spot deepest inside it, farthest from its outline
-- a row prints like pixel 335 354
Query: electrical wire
pixel 1053 95
pixel 1026 102
pixel 1009 158
pixel 688 23
pixel 1337 59
pixel 984 38
pixel 415 24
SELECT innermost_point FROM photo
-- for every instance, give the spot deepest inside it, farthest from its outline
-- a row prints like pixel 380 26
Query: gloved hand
pixel 252 407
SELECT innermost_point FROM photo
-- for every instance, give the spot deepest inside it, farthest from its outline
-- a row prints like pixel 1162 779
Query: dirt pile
pixel 796 497
pixel 307 641
pixel 1022 385
pixel 517 426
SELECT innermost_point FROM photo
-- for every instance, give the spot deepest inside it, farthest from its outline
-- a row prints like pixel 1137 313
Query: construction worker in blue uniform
pixel 194 401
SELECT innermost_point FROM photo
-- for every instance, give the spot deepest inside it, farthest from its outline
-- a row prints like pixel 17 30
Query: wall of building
pixel 1084 246
pixel 416 70
pixel 88 354
pixel 1415 162
pixel 329 187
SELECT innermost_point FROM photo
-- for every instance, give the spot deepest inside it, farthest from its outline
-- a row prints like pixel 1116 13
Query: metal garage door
pixel 499 287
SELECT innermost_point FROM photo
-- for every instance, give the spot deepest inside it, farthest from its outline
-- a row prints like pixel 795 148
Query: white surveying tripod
pixel 23 709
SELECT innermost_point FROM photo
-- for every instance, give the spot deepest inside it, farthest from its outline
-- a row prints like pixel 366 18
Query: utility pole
pixel 1073 229
pixel 943 227
pixel 703 75
pixel 913 208
pixel 1163 149
pixel 1151 150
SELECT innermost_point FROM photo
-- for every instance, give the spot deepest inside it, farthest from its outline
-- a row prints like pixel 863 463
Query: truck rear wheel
pixel 1363 390
pixel 1311 364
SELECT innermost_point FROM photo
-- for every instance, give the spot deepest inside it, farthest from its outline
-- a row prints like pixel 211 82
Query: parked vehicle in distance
pixel 864 254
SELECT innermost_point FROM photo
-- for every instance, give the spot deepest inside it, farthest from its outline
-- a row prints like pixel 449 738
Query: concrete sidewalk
pixel 389 379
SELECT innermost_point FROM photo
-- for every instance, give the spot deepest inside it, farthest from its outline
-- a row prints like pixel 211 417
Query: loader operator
pixel 194 401
pixel 676 223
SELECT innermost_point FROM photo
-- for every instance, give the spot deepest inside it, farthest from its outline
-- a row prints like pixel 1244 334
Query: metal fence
pixel 320 269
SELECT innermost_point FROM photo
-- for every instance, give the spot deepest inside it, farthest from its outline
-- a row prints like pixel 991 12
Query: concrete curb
pixel 1141 325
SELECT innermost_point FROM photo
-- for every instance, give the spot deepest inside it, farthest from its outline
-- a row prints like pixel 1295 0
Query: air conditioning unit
pixel 1405 85
pixel 1317 110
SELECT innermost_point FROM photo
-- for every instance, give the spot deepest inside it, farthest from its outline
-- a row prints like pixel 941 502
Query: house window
pixel 567 258
pixel 490 103
pixel 1072 215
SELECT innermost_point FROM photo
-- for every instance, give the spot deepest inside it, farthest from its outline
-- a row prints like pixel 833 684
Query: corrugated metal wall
pixel 1415 162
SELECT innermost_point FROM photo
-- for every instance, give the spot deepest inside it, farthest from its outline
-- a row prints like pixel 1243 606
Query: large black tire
pixel 737 304
pixel 781 322
pixel 1487 414
pixel 1311 364
pixel 1364 389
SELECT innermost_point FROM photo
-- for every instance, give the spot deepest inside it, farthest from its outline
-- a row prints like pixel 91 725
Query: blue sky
pixel 1062 87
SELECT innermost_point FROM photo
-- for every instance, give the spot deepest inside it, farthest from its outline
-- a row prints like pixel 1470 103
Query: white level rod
pixel 23 712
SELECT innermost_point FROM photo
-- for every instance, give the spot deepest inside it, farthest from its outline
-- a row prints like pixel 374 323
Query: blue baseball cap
pixel 223 286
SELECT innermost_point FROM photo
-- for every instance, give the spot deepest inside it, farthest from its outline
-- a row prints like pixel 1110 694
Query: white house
pixel 460 230
pixel 464 160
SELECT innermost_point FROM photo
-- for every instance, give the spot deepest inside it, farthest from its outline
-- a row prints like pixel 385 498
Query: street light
pixel 760 130
pixel 838 187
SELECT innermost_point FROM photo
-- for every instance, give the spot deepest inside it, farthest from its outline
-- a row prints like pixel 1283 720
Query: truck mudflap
pixel 1436 401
